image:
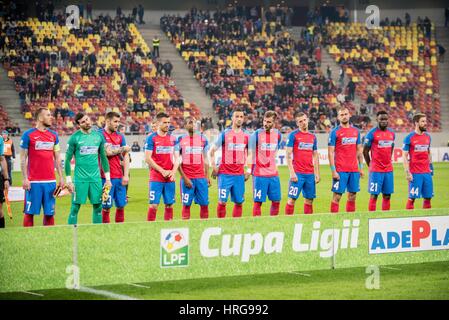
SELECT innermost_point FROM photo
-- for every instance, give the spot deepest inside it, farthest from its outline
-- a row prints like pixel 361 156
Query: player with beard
pixel 346 161
pixel 418 163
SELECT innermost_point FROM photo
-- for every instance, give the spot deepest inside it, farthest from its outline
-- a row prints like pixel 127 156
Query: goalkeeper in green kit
pixel 86 145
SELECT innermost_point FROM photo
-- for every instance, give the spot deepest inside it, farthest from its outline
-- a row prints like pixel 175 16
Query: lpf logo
pixel 174 247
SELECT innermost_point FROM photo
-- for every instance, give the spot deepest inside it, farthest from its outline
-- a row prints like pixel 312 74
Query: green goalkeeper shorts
pixel 93 190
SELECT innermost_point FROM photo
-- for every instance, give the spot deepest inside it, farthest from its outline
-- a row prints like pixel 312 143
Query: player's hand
pixel 108 184
pixel 317 179
pixel 335 175
pixel 188 183
pixel 247 175
pixel 70 187
pixel 26 185
pixel 409 177
pixel 165 173
pixel 362 173
pixel 61 183
pixel 293 177
pixel 6 185
pixel 125 180
pixel 126 149
pixel 214 172
pixel 208 182
pixel 171 175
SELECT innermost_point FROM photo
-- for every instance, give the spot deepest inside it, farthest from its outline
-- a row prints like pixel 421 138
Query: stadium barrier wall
pixel 46 257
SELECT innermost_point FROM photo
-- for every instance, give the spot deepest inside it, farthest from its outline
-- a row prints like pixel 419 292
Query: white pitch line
pixel 105 293
pixel 138 285
pixel 390 268
pixel 33 293
pixel 301 274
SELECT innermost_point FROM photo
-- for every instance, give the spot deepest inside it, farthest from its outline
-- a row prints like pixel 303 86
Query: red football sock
pixel 372 204
pixel 105 214
pixel 350 206
pixel 274 209
pixel 257 209
pixel 221 210
pixel 185 212
pixel 151 214
pixel 335 207
pixel 28 220
pixel 386 204
pixel 426 204
pixel 49 220
pixel 410 204
pixel 308 208
pixel 237 211
pixel 289 209
pixel 204 212
pixel 120 215
pixel 168 214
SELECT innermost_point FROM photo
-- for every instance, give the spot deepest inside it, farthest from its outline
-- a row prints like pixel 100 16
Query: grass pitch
pixel 412 281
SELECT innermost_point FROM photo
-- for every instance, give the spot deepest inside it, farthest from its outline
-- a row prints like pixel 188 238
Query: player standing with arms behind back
pixel 304 168
pixel 86 145
pixel 163 161
pixel 115 148
pixel 39 155
pixel 418 163
pixel 346 161
pixel 263 146
pixel 380 142
pixel 194 170
pixel 231 171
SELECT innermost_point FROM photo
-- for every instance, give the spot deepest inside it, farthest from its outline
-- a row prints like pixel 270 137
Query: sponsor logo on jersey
pixel 305 146
pixel 164 149
pixel 268 146
pixel 385 143
pixel 236 146
pixel 85 150
pixel 44 145
pixel 193 150
pixel 348 140
pixel 421 147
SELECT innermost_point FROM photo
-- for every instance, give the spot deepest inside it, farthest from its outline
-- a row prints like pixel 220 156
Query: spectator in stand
pixel 135 147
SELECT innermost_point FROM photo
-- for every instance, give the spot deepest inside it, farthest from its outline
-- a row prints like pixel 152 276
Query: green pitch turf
pixel 413 281
pixel 136 210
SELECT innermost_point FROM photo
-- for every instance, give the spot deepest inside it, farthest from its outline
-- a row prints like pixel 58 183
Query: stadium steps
pixel 185 81
pixel 9 99
pixel 442 37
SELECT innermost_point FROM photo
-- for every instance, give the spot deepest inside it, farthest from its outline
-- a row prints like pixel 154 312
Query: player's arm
pixel 105 164
pixel 149 160
pixel 59 168
pixel 4 166
pixel 126 163
pixel 111 152
pixel 213 165
pixel 24 168
pixel 291 169
pixel 331 154
pixel 360 159
pixel 172 172
pixel 405 159
pixel 366 155
pixel 13 150
pixel 68 159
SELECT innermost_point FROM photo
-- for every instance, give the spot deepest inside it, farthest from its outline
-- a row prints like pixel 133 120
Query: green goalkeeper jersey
pixel 87 148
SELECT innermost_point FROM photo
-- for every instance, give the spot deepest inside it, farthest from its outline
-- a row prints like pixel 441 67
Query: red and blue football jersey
pixel 41 146
pixel 345 141
pixel 303 145
pixel 382 145
pixel 115 141
pixel 418 146
pixel 163 148
pixel 192 150
pixel 264 147
pixel 234 148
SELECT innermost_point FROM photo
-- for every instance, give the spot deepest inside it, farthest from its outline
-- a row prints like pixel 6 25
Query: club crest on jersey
pixel 268 146
pixel 348 140
pixel 421 148
pixel 164 149
pixel 236 146
pixel 385 143
pixel 44 145
pixel 305 146
pixel 85 150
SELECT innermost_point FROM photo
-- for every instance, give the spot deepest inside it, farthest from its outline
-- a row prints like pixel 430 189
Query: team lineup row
pixel 102 166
